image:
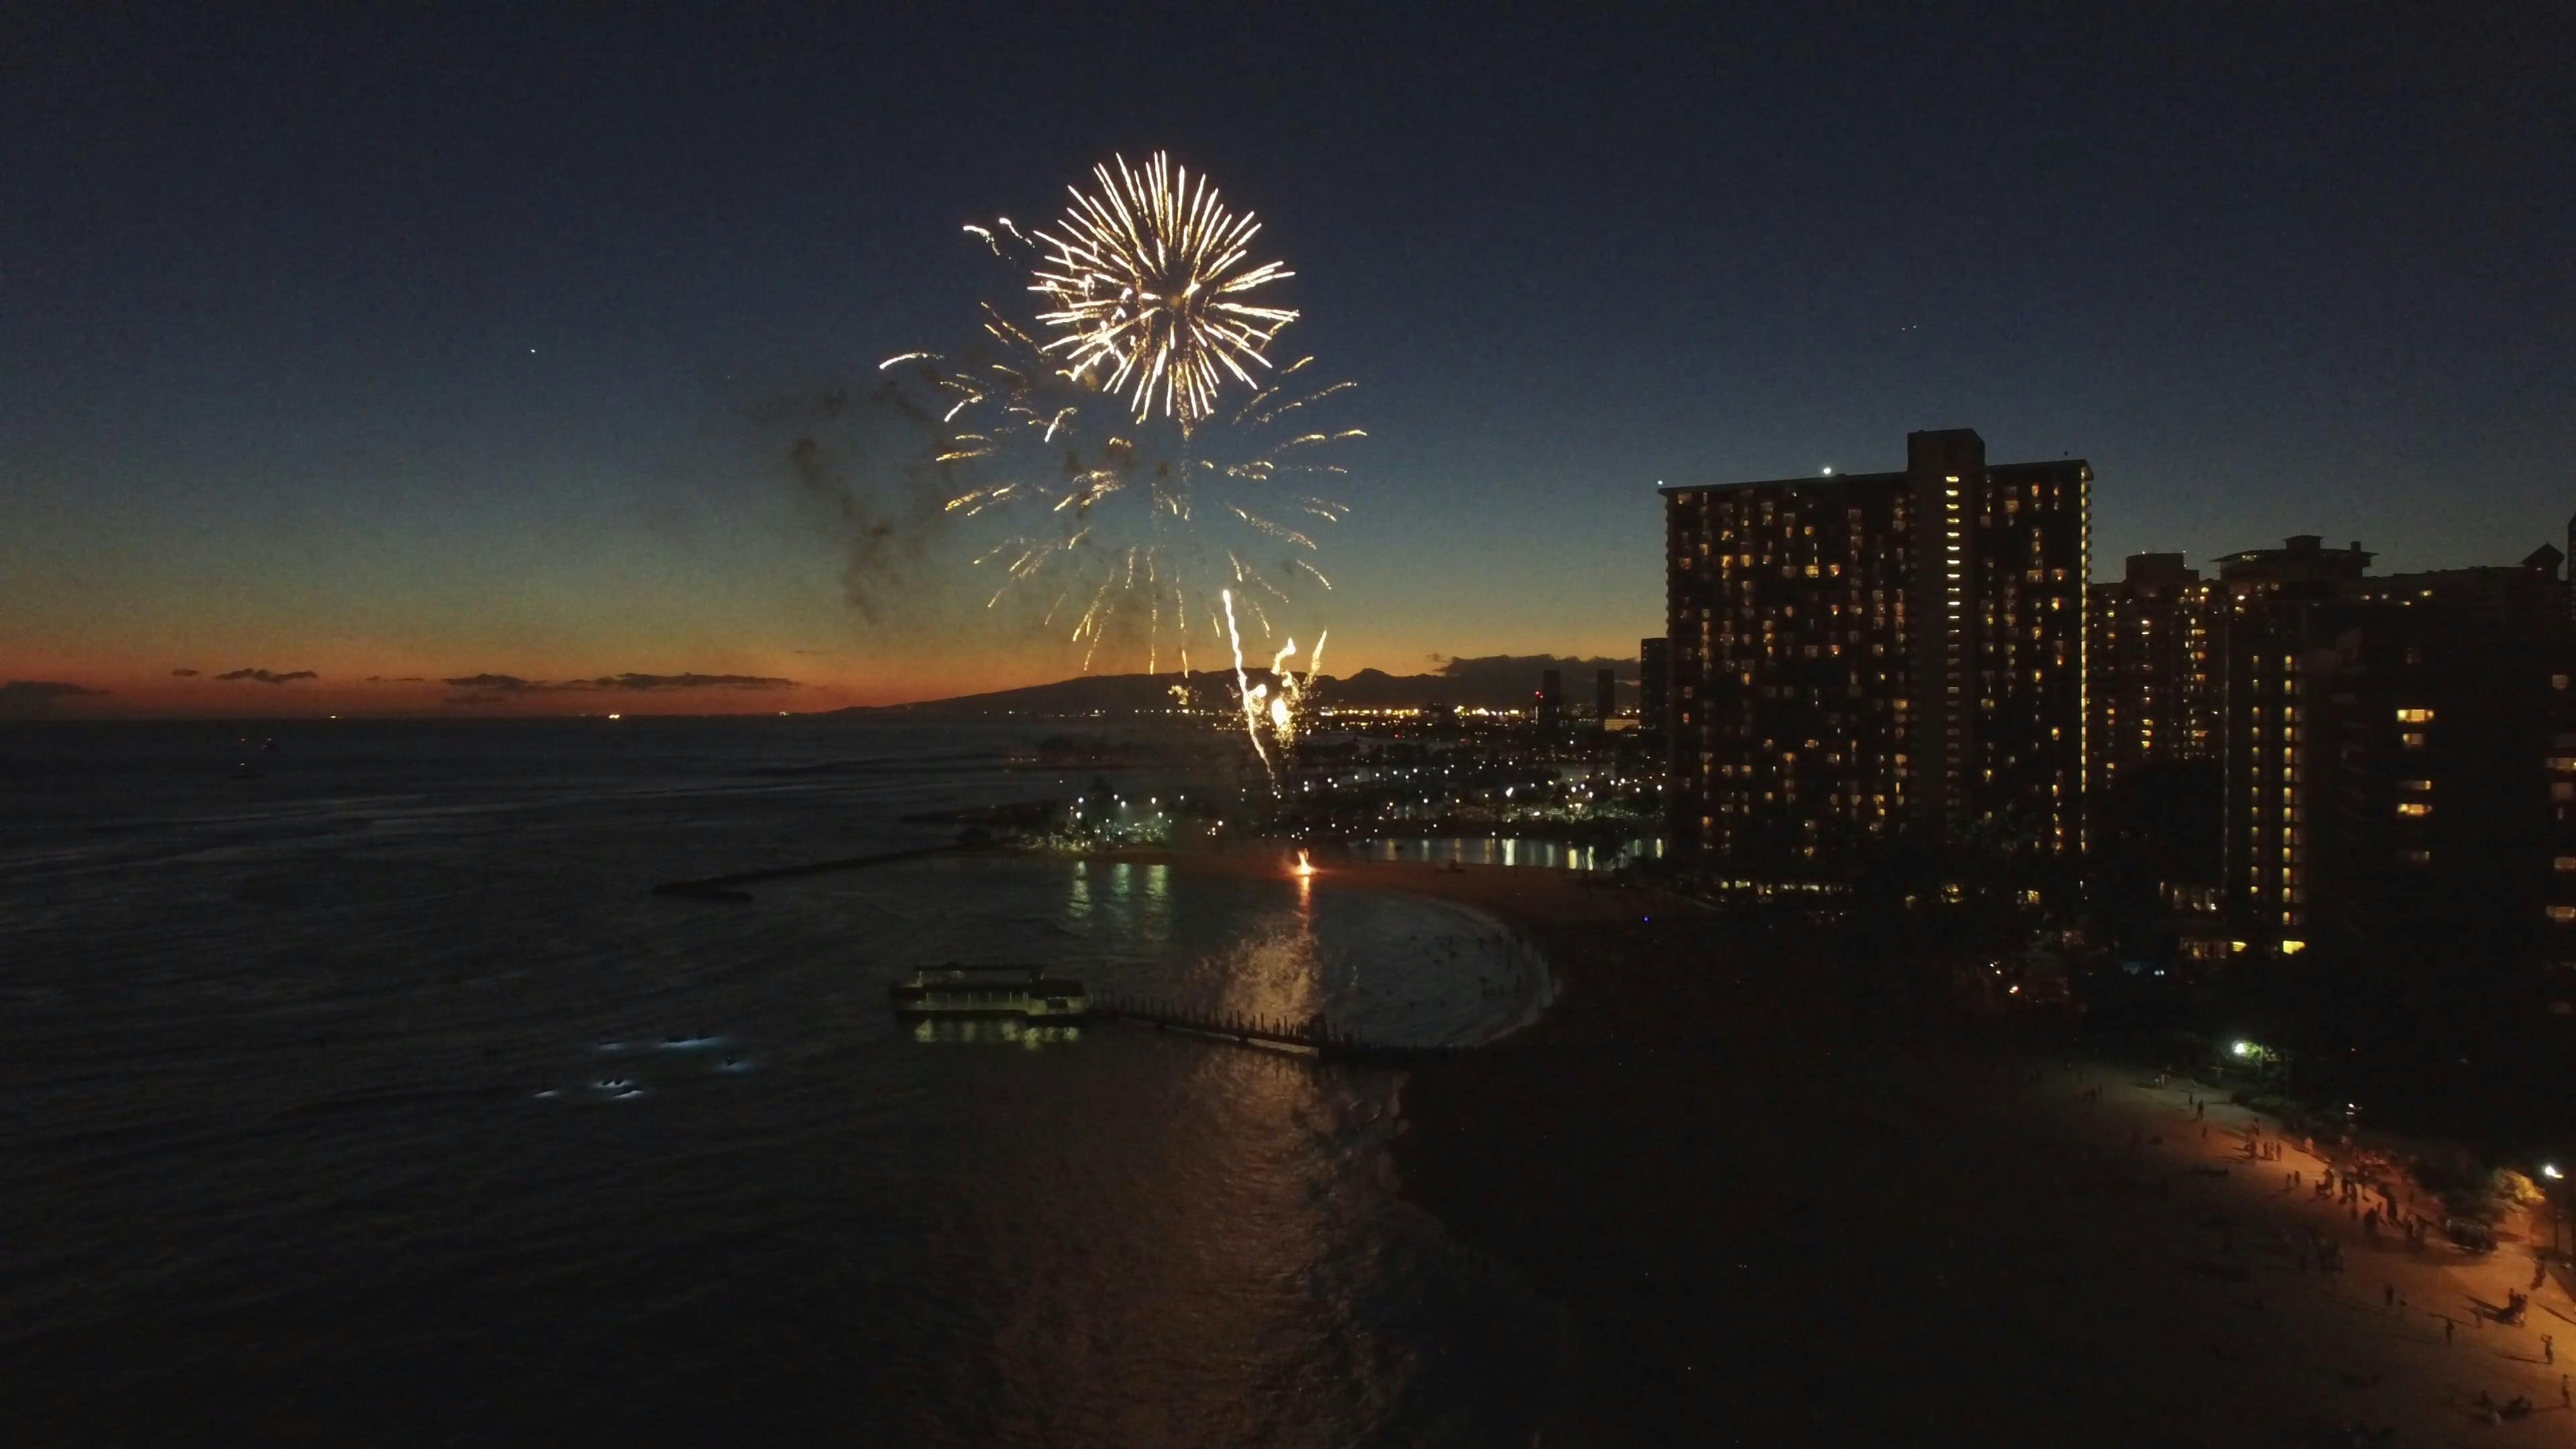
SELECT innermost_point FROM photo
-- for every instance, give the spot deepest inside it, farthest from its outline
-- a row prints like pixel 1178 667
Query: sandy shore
pixel 1778 1211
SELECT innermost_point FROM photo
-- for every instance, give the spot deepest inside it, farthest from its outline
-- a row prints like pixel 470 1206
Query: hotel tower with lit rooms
pixel 1854 651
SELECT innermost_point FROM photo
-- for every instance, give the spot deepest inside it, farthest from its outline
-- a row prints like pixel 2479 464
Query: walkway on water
pixel 1316 1037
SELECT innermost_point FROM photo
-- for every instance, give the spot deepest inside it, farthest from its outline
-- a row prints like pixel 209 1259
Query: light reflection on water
pixel 312 1118
pixel 990 1030
pixel 1512 850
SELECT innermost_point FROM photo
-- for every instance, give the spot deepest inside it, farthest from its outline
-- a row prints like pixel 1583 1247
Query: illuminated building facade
pixel 2276 618
pixel 2153 696
pixel 2519 596
pixel 1551 698
pixel 2447 807
pixel 1850 652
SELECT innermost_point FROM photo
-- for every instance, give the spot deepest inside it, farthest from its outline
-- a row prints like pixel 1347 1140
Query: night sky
pixel 437 345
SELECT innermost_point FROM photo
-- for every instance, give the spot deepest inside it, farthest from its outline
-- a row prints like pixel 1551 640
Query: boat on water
pixel 955 990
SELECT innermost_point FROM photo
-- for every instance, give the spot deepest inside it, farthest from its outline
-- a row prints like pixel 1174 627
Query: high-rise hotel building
pixel 2275 620
pixel 2153 692
pixel 1852 651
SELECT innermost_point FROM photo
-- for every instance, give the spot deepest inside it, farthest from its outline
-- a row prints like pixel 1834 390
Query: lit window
pixel 2418 786
pixel 2411 740
pixel 2414 716
pixel 2293 948
pixel 2564 865
pixel 2416 857
pixel 2414 807
pixel 2563 915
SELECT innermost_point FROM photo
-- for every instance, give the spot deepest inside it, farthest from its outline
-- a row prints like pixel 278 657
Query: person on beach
pixel 2548 1349
pixel 2564 1401
pixel 2448 1328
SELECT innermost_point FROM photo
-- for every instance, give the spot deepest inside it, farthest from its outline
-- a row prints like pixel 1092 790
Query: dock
pixel 1316 1036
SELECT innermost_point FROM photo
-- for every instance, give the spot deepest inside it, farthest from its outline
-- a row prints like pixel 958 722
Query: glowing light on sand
pixel 1304 866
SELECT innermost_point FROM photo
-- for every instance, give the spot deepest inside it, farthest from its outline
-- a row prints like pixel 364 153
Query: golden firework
pixel 1149 285
pixel 1094 449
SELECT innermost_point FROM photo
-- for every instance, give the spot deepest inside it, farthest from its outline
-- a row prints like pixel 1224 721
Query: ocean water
pixel 375 1099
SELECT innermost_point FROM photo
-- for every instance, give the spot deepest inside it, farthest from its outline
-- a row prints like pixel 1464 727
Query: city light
pixel 2550 1169
pixel 2245 1048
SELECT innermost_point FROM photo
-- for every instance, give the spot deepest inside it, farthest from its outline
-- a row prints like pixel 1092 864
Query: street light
pixel 2245 1048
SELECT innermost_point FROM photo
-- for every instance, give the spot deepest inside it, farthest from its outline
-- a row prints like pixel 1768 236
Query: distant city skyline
pixel 461 357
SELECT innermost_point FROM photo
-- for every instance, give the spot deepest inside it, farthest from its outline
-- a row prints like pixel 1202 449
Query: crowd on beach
pixel 2335 1200
pixel 1702 1128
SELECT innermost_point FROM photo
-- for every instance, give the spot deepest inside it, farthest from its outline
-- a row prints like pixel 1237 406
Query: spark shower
pixel 1140 465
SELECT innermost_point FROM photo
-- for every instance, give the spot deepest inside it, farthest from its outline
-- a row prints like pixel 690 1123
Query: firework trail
pixel 1267 710
pixel 1138 460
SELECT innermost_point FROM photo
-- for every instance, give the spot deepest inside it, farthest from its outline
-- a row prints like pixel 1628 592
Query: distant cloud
pixel 398 679
pixel 692 681
pixel 33 698
pixel 183 674
pixel 263 676
pixel 493 688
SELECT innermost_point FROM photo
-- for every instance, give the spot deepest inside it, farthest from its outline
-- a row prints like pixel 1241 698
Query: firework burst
pixel 1149 285
pixel 1111 486
pixel 1105 514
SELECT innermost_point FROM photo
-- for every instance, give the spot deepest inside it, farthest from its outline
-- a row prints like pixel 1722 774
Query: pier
pixel 1315 1036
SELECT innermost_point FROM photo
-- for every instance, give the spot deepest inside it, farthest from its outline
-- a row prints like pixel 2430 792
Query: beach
pixel 1773 1204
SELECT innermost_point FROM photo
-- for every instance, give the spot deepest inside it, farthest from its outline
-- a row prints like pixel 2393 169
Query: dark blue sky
pixel 271 288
